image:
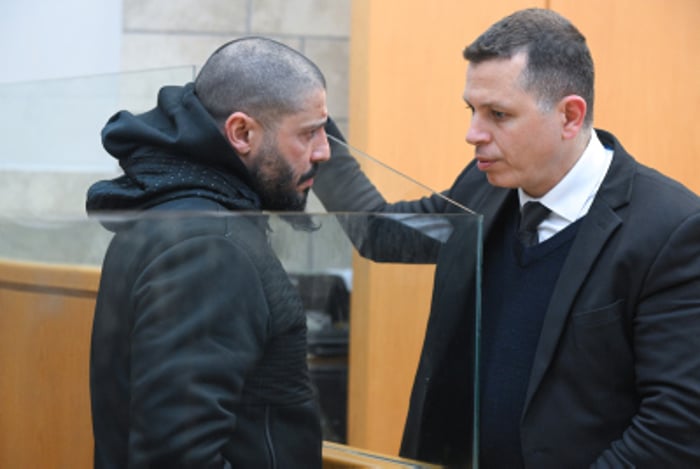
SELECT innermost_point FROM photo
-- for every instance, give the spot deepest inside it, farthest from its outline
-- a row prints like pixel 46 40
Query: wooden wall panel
pixel 648 77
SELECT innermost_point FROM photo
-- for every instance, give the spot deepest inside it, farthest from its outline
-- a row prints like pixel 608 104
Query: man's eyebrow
pixel 317 124
pixel 487 104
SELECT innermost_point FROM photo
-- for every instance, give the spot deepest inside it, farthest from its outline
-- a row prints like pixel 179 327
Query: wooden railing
pixel 46 315
pixel 45 320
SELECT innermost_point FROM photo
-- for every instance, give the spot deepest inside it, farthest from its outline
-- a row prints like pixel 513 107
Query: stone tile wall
pixel 163 33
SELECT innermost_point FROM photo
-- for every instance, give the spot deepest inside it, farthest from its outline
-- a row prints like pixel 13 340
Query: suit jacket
pixel 615 380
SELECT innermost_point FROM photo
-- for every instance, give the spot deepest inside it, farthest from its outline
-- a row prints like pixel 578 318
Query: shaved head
pixel 258 76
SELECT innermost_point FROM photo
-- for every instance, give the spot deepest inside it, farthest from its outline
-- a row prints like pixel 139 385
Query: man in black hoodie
pixel 198 348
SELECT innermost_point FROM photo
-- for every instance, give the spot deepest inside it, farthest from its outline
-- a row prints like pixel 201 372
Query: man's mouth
pixel 307 179
pixel 484 164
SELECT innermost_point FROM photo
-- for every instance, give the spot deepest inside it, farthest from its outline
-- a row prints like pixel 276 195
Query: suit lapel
pixel 596 228
pixel 592 236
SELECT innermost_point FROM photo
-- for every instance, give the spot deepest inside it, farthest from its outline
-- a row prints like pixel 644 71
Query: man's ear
pixel 573 110
pixel 243 133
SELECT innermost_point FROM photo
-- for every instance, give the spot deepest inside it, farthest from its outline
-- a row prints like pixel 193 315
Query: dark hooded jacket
pixel 199 338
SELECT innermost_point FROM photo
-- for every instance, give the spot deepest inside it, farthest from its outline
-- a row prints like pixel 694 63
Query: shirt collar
pixel 572 196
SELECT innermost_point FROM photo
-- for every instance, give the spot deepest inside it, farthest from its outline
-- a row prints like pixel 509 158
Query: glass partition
pixel 363 280
pixel 49 273
pixel 50 150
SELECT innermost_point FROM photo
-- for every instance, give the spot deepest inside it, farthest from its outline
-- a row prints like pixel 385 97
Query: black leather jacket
pixel 199 339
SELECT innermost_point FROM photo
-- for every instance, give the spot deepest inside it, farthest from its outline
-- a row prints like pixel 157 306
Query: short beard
pixel 272 179
pixel 275 194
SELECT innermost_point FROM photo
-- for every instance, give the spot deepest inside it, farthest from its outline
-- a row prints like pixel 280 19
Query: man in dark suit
pixel 590 338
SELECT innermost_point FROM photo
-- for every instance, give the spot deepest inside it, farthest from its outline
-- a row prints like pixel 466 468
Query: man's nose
pixel 322 149
pixel 476 134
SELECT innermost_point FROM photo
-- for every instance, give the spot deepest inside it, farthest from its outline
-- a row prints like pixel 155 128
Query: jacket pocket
pixel 600 316
pixel 603 341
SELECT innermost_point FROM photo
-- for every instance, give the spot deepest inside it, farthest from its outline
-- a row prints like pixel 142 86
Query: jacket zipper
pixel 268 439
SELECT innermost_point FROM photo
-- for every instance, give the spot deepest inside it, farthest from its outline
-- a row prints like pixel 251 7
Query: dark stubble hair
pixel 272 178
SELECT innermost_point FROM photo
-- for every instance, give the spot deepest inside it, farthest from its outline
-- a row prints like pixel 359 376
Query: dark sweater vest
pixel 517 286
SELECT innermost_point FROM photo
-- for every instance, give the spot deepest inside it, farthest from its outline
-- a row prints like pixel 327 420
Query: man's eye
pixel 498 115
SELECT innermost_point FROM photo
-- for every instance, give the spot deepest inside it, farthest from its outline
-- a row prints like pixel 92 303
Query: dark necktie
pixel 531 215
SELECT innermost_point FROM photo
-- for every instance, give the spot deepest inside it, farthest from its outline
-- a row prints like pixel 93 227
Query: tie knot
pixel 531 216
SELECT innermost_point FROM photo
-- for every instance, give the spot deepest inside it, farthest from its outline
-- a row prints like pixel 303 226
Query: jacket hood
pixel 172 151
